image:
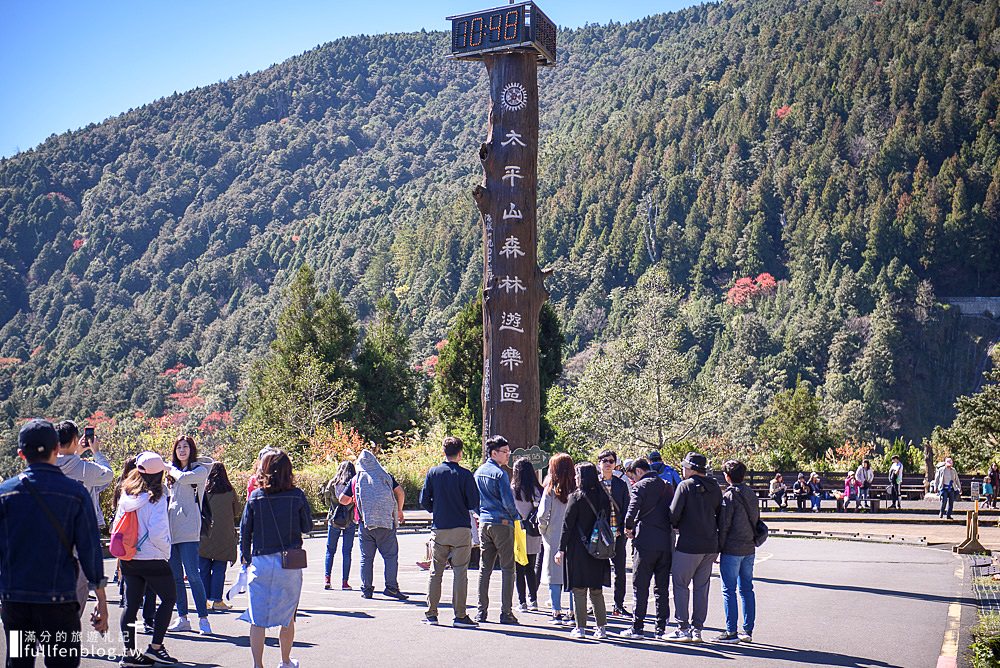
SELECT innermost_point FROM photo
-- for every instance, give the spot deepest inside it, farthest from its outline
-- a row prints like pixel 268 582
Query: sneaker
pixel 326 584
pixel 481 618
pixel 133 659
pixel 577 633
pixel 728 638
pixel 204 628
pixel 600 633
pixel 147 628
pixel 678 636
pixel 431 620
pixel 744 636
pixel 464 623
pixel 620 611
pixel 393 592
pixel 292 663
pixel 533 606
pixel 180 624
pixel 367 593
pixel 508 619
pixel 696 635
pixel 221 606
pixel 660 634
pixel 159 655
pixel 523 607
pixel 346 586
pixel 631 634
pixel 557 619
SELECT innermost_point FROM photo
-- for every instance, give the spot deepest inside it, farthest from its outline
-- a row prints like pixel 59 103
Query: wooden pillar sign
pixel 512 41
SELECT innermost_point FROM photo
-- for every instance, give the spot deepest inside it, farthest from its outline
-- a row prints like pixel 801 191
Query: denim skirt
pixel 274 592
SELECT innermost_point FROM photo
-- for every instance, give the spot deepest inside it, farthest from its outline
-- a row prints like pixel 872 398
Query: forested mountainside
pixel 846 148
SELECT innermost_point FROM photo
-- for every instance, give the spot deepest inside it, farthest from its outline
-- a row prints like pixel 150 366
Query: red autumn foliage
pixel 174 370
pixel 296 237
pixel 9 361
pixel 782 112
pixel 215 421
pixel 37 350
pixel 172 421
pixel 187 400
pixel 78 244
pixel 101 419
pixel 746 289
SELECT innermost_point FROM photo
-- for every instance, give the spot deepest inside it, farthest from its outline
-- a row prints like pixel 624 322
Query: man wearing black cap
pixel 694 511
pixel 44 517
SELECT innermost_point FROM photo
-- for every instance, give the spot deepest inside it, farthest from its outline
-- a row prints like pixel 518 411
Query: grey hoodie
pixel 95 476
pixel 373 492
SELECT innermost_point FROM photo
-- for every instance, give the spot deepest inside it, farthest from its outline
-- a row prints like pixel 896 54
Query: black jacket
pixel 582 570
pixel 695 513
pixel 737 520
pixel 649 514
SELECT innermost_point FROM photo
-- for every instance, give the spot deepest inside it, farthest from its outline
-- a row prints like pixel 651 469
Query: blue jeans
pixel 815 499
pixel 213 576
pixel 947 501
pixel 184 559
pixel 333 535
pixel 555 595
pixel 737 574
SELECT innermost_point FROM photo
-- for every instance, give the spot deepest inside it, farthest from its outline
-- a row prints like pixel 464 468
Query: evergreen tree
pixel 387 383
pixel 795 431
pixel 456 399
pixel 307 379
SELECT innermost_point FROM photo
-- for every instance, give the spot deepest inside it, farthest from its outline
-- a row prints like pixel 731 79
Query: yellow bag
pixel 520 544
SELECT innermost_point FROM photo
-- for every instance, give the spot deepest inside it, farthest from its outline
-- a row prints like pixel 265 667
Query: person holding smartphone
pixel 94 475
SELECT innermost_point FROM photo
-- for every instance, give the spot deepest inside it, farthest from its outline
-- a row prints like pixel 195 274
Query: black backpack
pixel 601 544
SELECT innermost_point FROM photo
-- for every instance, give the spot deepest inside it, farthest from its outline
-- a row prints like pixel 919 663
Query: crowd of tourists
pixel 809 491
pixel 576 527
pixel 178 524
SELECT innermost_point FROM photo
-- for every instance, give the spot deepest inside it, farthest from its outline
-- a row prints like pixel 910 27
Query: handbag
pixel 291 558
pixel 206 512
pixel 520 544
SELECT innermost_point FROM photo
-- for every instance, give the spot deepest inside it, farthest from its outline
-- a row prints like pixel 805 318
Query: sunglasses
pixel 606 460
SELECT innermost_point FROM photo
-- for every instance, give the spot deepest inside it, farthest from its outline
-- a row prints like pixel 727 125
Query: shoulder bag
pixel 291 558
pixel 760 530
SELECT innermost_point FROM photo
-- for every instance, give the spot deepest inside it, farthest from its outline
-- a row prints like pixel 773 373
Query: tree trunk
pixel 513 289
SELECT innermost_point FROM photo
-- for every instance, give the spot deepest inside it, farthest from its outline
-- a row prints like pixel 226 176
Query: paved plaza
pixel 820 603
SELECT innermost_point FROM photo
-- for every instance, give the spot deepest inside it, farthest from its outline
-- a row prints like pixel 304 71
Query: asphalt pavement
pixel 819 603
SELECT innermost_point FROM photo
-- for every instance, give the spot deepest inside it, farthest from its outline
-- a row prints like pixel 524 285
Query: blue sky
pixel 66 64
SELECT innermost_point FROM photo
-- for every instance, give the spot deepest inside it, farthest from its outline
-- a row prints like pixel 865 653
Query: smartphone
pixel 88 433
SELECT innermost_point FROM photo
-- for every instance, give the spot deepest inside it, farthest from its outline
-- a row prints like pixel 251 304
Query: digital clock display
pixel 507 28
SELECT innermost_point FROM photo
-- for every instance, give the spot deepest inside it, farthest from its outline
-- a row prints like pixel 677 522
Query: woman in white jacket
pixel 142 492
pixel 186 478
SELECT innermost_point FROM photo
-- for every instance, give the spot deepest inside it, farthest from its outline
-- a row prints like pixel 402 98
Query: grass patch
pixel 985 648
pixel 986 582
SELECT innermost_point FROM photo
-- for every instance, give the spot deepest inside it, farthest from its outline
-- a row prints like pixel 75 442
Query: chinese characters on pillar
pixel 511 279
